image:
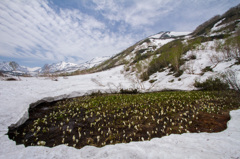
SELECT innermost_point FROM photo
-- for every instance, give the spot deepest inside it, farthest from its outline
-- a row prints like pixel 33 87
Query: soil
pixel 210 123
pixel 101 134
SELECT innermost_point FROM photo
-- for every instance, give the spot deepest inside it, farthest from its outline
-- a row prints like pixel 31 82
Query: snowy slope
pixel 95 61
pixel 168 34
pixel 165 37
pixel 225 144
pixel 33 69
pixel 70 67
pixel 58 67
pixel 193 70
pixel 6 66
pixel 154 42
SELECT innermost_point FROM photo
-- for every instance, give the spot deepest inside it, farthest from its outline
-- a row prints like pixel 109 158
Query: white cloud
pixel 43 33
pixel 137 13
pixel 180 15
pixel 41 30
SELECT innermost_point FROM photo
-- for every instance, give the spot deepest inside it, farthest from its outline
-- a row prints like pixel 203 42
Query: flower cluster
pixel 118 118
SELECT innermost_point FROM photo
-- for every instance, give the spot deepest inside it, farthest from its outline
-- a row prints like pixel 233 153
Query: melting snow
pixel 16 97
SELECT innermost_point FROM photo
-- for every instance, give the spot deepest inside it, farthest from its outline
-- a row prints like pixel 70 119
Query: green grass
pixel 119 118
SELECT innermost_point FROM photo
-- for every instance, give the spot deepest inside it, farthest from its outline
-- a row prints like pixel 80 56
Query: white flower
pixel 129 125
pixel 148 133
pixel 41 143
pixel 73 138
pixel 98 138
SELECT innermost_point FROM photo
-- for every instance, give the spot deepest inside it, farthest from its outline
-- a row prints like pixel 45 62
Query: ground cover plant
pixel 104 119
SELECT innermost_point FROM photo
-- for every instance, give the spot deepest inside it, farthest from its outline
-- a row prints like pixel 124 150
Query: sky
pixel 38 32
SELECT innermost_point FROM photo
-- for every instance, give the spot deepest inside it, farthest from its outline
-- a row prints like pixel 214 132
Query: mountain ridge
pixel 58 67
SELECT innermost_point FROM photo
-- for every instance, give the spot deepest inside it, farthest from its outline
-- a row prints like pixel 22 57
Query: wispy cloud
pixel 42 30
pixel 33 29
pixel 180 15
pixel 137 13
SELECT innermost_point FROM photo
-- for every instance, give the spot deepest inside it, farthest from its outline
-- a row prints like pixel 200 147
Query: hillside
pixel 174 60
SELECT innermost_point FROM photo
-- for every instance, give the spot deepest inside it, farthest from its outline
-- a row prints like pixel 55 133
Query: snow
pixel 62 65
pixel 172 33
pixel 95 61
pixel 17 95
pixel 157 36
pixel 193 70
pixel 33 69
pixel 179 33
pixel 161 42
pixel 55 67
pixel 99 59
pixel 158 40
pixel 5 66
pixel 216 27
pixel 149 46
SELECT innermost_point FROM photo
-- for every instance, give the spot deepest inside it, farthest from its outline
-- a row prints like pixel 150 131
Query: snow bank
pixel 16 96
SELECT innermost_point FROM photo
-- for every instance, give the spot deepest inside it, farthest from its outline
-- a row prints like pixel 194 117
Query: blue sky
pixel 36 32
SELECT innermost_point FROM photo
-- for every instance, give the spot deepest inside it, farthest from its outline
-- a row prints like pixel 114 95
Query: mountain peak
pixel 11 66
pixel 61 66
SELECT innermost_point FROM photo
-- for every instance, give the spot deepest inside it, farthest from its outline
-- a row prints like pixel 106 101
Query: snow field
pixel 17 95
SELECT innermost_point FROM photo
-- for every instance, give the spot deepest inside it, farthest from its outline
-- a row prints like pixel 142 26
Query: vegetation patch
pixel 170 56
pixel 207 69
pixel 212 84
pixel 152 80
pixel 105 119
pixel 140 56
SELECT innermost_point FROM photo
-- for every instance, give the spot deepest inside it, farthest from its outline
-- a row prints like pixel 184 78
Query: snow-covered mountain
pixel 142 49
pixel 175 60
pixel 10 67
pixel 58 67
pixel 33 69
pixel 71 67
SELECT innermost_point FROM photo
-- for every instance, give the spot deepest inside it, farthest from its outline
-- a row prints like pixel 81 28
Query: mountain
pixel 177 58
pixel 143 49
pixel 71 67
pixel 33 69
pixel 212 43
pixel 12 66
pixel 58 67
pixel 95 62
